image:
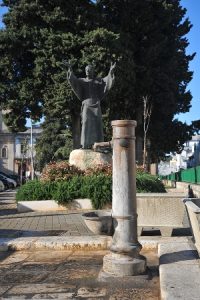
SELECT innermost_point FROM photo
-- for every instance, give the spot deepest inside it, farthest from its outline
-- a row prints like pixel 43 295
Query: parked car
pixel 16 178
pixel 7 184
pixel 9 180
pixel 2 186
pixel 12 176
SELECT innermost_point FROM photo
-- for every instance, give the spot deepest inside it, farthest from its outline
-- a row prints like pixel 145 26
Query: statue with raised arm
pixel 90 91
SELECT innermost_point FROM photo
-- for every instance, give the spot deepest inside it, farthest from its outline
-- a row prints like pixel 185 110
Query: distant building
pixel 188 158
pixel 194 152
pixel 16 149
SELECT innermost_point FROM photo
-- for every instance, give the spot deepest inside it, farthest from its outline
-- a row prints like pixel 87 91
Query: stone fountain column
pixel 124 258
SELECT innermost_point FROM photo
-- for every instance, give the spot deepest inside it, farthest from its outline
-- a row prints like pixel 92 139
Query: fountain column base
pixel 121 265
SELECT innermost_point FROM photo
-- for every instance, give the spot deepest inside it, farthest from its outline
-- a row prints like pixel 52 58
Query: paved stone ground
pixel 61 274
pixel 69 275
pixel 14 224
pixel 53 274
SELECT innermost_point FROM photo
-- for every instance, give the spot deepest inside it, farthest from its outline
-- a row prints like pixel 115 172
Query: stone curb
pixel 51 205
pixel 75 243
pixel 179 268
pixel 72 243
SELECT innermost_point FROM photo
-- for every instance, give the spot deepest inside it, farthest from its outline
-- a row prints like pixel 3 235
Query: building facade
pixel 17 150
pixel 188 158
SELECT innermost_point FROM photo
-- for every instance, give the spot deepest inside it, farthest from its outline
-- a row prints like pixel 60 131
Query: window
pixel 4 152
pixel 22 148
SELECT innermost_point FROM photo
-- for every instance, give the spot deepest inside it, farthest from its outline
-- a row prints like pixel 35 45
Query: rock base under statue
pixel 83 158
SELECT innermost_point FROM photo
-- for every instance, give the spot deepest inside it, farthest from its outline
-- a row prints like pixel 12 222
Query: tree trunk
pixel 145 154
pixel 139 137
pixel 76 130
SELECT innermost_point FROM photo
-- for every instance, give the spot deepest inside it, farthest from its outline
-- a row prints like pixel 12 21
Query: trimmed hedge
pixel 97 187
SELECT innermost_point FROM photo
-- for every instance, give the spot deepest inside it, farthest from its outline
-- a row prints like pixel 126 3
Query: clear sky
pixel 193 12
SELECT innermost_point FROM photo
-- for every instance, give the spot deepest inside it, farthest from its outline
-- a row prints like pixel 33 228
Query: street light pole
pixel 32 165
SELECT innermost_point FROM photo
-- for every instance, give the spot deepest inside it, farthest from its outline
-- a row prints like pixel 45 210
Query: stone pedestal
pixel 84 159
pixel 124 258
pixel 123 265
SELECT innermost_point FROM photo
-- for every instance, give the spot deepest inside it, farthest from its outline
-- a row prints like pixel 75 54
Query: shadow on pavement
pixel 11 233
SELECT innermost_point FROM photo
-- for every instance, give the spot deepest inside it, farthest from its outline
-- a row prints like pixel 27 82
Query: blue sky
pixel 193 12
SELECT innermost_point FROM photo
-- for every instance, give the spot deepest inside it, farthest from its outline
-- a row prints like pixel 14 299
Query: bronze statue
pixel 90 91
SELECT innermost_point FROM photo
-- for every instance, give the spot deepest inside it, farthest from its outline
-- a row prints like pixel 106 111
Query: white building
pixel 193 152
pixel 16 149
pixel 188 158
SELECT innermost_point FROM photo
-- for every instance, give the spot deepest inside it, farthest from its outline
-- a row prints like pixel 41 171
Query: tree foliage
pixel 147 38
pixel 153 62
pixel 37 37
pixel 55 142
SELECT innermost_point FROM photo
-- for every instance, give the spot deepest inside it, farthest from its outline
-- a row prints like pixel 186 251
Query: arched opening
pixel 4 152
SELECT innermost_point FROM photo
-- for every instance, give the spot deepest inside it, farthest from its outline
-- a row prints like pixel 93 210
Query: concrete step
pixel 10 194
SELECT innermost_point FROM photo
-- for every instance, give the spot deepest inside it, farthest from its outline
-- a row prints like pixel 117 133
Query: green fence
pixel 191 175
pixel 198 175
pixel 188 175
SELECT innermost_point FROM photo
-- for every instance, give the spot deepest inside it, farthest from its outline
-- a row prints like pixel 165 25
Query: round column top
pixel 124 123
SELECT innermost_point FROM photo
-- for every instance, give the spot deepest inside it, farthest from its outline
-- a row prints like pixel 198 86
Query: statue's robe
pixel 90 92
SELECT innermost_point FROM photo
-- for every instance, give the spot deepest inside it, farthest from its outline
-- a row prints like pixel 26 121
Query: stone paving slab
pixel 25 275
pixel 72 275
pixel 52 223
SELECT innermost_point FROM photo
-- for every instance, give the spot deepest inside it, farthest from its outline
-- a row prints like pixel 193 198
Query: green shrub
pixel 147 183
pixel 35 190
pixel 97 187
pixel 66 191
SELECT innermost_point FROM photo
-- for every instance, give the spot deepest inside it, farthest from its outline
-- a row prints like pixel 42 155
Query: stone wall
pixel 184 187
pixel 162 210
pixel 193 209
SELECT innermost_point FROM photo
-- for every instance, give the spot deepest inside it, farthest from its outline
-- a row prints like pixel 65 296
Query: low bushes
pixel 98 188
pixel 64 183
pixel 36 190
pixel 147 183
pixel 58 171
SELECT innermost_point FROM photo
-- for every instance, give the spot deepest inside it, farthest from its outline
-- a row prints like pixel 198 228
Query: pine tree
pixel 38 36
pixel 154 64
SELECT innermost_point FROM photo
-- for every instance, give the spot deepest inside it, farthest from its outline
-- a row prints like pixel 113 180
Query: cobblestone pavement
pixel 69 275
pixel 14 224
